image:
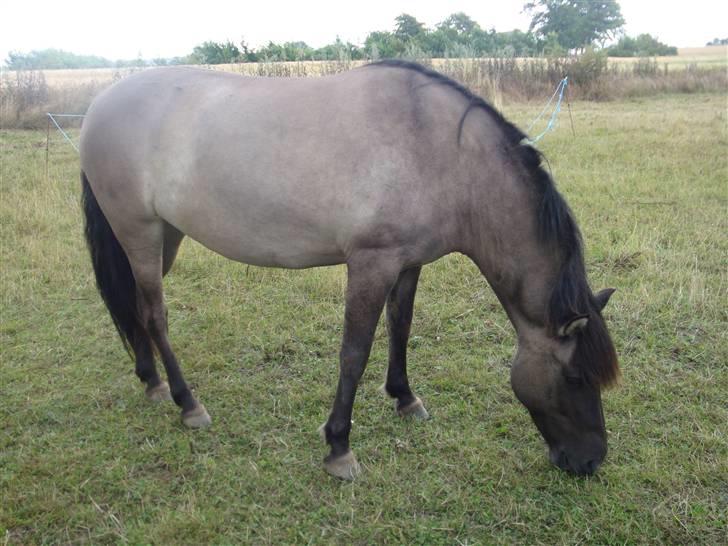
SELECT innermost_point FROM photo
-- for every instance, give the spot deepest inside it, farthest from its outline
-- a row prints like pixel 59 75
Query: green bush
pixel 643 45
pixel 587 68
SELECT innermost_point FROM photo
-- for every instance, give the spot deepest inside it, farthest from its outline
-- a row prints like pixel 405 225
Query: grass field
pixel 84 458
pixel 716 56
pixel 26 96
pixel 702 56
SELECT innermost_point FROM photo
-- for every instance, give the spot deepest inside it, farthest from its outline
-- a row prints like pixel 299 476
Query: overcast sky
pixel 124 30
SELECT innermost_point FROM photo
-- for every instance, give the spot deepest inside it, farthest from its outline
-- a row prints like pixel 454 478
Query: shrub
pixel 588 68
pixel 25 96
pixel 645 67
pixel 22 92
pixel 643 45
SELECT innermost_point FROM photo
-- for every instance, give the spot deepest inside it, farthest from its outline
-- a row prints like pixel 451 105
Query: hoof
pixel 415 409
pixel 197 417
pixel 344 466
pixel 160 393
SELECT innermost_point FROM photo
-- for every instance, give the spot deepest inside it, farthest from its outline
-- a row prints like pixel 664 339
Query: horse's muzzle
pixel 581 465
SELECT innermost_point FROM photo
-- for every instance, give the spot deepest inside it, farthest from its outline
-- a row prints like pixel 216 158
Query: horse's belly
pixel 296 254
pixel 257 234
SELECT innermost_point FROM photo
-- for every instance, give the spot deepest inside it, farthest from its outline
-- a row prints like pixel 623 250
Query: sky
pixel 150 29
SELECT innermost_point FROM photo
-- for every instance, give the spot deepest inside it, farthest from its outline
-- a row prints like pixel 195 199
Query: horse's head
pixel 558 375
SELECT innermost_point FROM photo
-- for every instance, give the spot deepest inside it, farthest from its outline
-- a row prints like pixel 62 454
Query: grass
pixel 26 96
pixel 85 459
pixel 703 56
pixel 716 56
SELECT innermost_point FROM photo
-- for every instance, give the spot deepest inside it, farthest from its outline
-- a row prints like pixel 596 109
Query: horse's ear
pixel 602 297
pixel 576 324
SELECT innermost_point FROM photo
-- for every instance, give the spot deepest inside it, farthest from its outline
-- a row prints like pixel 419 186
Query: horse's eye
pixel 574 380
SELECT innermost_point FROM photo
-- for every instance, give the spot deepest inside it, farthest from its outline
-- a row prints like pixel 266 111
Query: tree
pixel 643 45
pixel 215 53
pixel 576 23
pixel 436 43
pixel 456 35
pixel 383 45
pixel 460 23
pixel 338 51
pixel 551 46
pixel 514 43
pixel 407 28
pixel 247 54
pixel 53 58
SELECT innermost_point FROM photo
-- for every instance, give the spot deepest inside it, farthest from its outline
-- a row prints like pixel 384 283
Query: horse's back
pixel 290 172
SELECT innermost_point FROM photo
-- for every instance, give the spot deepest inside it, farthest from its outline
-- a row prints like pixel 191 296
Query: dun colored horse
pixel 384 168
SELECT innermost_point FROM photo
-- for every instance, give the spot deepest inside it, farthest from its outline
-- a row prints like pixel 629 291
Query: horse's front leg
pixel 371 275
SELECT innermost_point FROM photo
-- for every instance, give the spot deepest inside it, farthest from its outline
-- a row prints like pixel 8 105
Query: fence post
pixel 568 103
pixel 48 139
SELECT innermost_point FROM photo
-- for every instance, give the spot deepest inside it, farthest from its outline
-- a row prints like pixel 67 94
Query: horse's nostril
pixel 563 461
pixel 590 467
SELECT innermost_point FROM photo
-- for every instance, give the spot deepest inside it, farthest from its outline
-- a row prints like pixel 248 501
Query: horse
pixel 384 168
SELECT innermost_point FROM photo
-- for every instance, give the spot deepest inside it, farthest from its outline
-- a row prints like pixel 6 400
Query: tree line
pixel 558 27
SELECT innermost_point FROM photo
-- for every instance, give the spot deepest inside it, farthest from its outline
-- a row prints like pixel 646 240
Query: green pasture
pixel 85 458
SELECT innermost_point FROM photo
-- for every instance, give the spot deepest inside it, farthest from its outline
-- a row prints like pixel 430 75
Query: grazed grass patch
pixel 84 458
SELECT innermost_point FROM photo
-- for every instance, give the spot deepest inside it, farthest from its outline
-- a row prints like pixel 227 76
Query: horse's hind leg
pixel 157 390
pixel 146 259
pixel 400 305
pixel 172 239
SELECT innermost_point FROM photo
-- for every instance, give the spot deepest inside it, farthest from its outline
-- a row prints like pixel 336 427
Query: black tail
pixel 114 277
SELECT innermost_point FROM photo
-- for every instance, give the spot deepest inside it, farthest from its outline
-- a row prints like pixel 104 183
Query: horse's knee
pixel 352 362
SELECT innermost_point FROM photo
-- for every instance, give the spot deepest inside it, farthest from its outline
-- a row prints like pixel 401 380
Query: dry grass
pixel 84 76
pixel 709 55
pixel 27 96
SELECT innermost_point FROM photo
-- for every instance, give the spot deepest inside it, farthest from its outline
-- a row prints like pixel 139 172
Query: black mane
pixel 557 228
pixel 512 133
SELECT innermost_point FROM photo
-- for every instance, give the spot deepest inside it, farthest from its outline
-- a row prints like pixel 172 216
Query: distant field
pixel 702 56
pixel 709 56
pixel 25 97
pixel 84 458
pixel 81 76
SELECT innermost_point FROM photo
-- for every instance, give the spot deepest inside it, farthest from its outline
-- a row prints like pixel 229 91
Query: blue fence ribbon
pixel 53 117
pixel 554 115
pixel 549 126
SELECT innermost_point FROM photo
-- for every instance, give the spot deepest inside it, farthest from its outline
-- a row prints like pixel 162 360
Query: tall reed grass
pixel 26 96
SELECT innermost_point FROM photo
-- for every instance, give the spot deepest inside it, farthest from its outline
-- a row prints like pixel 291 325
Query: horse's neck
pixel 521 271
pixel 524 296
pixel 503 237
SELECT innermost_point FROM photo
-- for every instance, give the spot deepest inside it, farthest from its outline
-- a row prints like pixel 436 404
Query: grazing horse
pixel 383 168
